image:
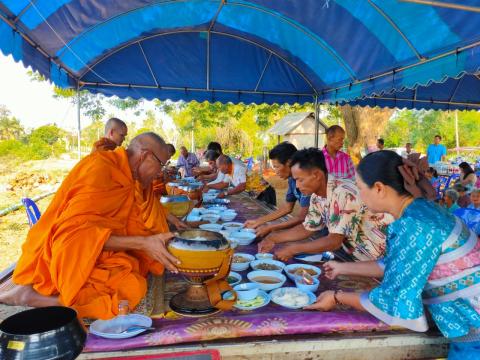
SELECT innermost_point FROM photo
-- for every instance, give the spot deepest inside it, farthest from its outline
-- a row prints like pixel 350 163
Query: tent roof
pixel 462 93
pixel 242 50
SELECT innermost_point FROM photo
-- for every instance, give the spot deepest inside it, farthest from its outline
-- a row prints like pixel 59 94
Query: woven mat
pixel 149 306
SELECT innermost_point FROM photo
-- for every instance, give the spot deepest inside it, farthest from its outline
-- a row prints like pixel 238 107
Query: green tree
pixel 10 127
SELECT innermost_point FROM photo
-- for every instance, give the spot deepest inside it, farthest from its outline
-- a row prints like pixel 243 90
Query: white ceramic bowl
pixel 211 227
pixel 264 256
pixel 237 276
pixel 243 238
pixel 242 266
pixel 247 291
pixel 211 218
pixel 228 216
pixel 233 226
pixel 255 276
pixel 291 267
pixel 278 264
pixel 305 287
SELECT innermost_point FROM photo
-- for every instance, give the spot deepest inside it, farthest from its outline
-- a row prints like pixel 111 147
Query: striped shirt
pixel 341 166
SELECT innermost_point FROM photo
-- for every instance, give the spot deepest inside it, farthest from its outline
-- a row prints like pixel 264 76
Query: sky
pixel 33 104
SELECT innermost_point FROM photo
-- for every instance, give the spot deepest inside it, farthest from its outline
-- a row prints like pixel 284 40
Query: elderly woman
pixel 467 176
pixel 450 200
pixel 432 258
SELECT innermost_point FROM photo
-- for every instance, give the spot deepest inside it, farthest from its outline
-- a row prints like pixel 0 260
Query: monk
pixel 115 132
pixel 100 236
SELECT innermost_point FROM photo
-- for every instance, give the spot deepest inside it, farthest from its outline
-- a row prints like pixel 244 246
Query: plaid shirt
pixel 340 167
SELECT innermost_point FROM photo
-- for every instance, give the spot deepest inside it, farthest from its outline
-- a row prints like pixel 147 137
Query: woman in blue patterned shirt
pixel 432 258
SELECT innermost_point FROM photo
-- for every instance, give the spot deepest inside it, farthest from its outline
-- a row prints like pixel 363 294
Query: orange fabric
pixel 63 254
pixel 104 144
pixel 159 187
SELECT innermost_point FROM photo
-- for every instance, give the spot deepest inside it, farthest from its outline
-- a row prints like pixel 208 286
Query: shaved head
pixel 224 160
pixel 147 154
pixel 116 130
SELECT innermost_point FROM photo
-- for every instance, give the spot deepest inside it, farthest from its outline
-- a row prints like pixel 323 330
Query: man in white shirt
pixel 232 177
pixel 408 150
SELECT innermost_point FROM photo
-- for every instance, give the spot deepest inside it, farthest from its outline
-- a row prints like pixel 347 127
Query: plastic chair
pixel 33 213
pixel 471 217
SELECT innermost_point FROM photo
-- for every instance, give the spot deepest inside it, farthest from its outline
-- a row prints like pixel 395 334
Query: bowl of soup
pixel 295 270
pixel 267 280
pixel 241 261
pixel 267 264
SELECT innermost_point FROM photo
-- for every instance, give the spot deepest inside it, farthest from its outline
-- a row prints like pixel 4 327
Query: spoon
pixel 135 328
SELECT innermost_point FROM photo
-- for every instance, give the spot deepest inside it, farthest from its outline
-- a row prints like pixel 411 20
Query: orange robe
pixel 104 144
pixel 63 254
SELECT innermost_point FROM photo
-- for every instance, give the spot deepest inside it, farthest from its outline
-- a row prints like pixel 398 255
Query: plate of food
pixel 292 297
pixel 261 300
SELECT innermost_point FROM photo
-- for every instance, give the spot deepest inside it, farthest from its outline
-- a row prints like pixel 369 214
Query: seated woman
pixel 475 199
pixel 431 258
pixel 467 176
pixel 450 200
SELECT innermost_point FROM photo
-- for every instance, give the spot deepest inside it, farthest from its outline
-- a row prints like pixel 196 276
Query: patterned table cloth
pixel 271 320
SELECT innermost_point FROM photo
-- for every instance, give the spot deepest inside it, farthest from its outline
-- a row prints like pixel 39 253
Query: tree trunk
pixel 363 127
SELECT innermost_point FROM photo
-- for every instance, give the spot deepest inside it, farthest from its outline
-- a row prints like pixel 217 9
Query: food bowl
pixel 216 208
pixel 234 278
pixel 232 226
pixel 292 298
pixel 228 215
pixel 211 227
pixel 305 287
pixel 53 332
pixel 311 270
pixel 243 238
pixel 177 205
pixel 211 218
pixel 247 291
pixel 267 280
pixel 264 256
pixel 268 264
pixel 240 265
pixel 194 218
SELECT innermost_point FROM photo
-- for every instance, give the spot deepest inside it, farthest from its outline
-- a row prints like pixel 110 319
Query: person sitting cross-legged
pixel 103 232
pixel 334 205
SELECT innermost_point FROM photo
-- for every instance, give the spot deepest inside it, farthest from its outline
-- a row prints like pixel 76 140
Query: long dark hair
pixel 382 166
pixel 467 169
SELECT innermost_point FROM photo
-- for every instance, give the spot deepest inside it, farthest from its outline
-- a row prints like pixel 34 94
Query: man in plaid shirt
pixel 339 164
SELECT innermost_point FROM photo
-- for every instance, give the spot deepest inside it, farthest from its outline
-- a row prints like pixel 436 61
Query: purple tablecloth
pixel 267 321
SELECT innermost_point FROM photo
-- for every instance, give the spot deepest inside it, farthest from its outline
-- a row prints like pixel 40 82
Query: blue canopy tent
pixel 243 51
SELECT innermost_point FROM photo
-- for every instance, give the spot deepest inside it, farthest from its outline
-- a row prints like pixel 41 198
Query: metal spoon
pixel 135 328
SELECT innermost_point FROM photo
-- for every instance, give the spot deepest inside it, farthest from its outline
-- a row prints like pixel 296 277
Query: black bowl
pixel 44 333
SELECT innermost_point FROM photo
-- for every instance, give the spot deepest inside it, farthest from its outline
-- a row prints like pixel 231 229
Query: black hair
pixel 215 146
pixel 211 155
pixel 467 169
pixel 382 166
pixel 311 158
pixel 282 152
pixel 438 136
pixel 381 141
pixel 333 130
pixel 432 171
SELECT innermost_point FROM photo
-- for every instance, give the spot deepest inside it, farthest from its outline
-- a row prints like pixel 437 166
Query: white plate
pixel 281 291
pixel 211 227
pixel 111 329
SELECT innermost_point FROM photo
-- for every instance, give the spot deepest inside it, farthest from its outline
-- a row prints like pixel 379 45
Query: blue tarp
pixel 242 51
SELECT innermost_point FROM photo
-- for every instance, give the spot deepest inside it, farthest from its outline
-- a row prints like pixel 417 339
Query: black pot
pixel 44 333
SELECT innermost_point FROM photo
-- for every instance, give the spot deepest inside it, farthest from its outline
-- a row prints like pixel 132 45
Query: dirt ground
pixel 24 180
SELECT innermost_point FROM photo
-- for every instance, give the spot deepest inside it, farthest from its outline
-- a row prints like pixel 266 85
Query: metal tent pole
pixel 317 123
pixel 457 142
pixel 78 125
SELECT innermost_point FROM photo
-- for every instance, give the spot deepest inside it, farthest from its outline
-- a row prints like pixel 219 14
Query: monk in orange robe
pixel 100 236
pixel 115 132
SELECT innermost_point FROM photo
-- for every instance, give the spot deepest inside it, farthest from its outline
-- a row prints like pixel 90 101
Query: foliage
pixel 10 127
pixel 420 126
pixel 242 129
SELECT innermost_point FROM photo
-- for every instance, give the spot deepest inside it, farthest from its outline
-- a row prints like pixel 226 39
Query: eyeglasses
pixel 162 164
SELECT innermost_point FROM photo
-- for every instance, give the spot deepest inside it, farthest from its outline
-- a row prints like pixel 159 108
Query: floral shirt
pixel 342 212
